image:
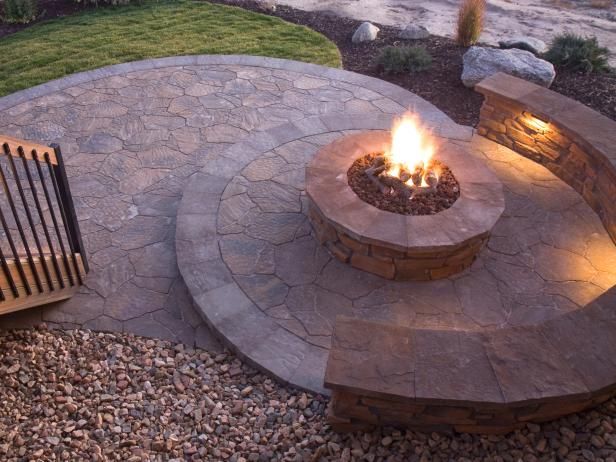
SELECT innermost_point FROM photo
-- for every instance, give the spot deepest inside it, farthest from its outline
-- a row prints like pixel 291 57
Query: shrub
pixel 393 60
pixel 20 11
pixel 577 53
pixel 470 22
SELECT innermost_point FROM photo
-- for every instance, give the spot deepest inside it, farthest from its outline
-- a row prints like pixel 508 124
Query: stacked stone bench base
pixel 354 412
pixel 495 382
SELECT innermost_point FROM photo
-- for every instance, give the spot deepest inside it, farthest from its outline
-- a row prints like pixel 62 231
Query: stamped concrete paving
pixel 250 259
pixel 132 135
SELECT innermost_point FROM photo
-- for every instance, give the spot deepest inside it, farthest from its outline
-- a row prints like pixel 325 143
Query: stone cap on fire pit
pixel 450 238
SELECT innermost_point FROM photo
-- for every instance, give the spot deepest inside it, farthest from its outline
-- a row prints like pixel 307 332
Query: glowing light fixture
pixel 539 123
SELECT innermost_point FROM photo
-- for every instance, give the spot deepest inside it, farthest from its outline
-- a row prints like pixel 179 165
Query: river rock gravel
pixel 80 395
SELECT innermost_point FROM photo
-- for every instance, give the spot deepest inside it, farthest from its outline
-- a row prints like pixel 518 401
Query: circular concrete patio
pixel 251 261
pixel 232 135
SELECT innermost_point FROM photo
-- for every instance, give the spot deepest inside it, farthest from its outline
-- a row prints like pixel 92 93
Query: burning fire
pixel 412 149
pixel 408 169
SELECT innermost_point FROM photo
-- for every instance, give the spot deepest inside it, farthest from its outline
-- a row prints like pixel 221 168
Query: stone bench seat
pixel 496 381
pixel 573 141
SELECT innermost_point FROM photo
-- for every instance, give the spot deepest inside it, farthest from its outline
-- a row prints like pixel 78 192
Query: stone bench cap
pixel 571 357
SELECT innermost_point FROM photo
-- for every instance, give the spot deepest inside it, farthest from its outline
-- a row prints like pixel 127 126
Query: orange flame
pixel 412 146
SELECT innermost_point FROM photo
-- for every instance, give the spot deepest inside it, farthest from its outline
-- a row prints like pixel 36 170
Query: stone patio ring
pixel 393 245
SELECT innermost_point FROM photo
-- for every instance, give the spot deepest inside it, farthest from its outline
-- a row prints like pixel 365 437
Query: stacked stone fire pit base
pixel 420 265
pixel 392 245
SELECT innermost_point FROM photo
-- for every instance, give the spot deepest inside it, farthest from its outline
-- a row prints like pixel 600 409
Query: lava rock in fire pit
pixel 367 32
pixel 425 193
pixel 480 63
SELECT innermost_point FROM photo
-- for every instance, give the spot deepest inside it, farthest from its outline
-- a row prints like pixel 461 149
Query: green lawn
pixel 115 35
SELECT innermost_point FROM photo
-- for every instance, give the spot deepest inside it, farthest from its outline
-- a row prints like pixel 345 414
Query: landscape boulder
pixel 531 44
pixel 414 32
pixel 267 5
pixel 480 63
pixel 367 32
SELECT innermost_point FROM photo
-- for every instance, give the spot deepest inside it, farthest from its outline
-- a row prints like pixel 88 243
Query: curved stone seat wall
pixel 490 382
pixel 574 142
pixel 495 381
pixel 499 380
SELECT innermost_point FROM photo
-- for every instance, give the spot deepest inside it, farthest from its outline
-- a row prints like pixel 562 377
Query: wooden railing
pixel 42 257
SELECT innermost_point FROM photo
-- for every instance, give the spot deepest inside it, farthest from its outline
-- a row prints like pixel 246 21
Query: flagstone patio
pixel 132 134
pixel 229 137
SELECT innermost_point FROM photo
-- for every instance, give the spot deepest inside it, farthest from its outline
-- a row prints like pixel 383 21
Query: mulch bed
pixel 441 84
pixel 595 90
pixel 447 191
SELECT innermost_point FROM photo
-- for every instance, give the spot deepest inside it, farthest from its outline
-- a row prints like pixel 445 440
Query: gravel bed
pixel 80 395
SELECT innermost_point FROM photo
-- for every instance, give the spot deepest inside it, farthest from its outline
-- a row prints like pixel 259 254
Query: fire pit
pixel 406 178
pixel 400 204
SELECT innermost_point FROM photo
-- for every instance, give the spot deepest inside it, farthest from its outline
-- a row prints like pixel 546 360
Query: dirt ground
pixel 542 19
